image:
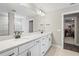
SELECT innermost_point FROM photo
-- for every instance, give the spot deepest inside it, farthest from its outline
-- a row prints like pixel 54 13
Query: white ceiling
pixel 20 9
pixel 48 7
pixel 31 8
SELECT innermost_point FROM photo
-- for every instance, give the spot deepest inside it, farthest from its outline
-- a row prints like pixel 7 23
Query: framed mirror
pixel 4 31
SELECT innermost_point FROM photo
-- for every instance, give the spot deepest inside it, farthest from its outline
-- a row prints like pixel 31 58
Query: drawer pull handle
pixel 42 52
pixel 37 41
pixel 43 44
pixel 28 53
pixel 12 54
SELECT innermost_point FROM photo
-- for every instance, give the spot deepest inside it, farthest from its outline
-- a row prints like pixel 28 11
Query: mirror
pixel 18 23
pixel 4 24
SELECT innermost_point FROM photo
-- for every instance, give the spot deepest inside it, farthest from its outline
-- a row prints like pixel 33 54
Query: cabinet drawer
pixel 26 46
pixel 38 41
pixel 12 52
pixel 43 39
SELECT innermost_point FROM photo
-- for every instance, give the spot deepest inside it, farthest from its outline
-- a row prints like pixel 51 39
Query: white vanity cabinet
pixel 36 47
pixel 43 45
pixel 12 52
pixel 46 43
pixel 49 41
pixel 23 53
pixel 32 50
pixel 24 49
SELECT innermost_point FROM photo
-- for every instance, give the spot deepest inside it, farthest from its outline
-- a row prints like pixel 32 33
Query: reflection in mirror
pixel 4 24
pixel 18 23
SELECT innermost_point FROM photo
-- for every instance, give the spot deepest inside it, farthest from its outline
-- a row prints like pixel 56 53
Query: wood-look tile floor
pixel 71 47
pixel 54 51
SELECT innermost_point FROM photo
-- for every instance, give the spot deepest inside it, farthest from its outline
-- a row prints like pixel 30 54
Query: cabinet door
pixel 12 52
pixel 35 50
pixel 47 43
pixel 50 40
pixel 23 53
pixel 43 45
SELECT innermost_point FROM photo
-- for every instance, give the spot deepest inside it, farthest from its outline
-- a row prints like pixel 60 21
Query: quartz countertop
pixel 11 43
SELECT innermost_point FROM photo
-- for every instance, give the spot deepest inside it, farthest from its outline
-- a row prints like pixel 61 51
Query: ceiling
pixel 30 9
pixel 20 9
pixel 48 7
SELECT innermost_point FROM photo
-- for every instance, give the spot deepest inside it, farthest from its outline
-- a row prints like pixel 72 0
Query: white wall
pixel 55 20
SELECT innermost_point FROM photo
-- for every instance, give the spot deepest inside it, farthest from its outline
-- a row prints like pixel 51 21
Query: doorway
pixel 31 26
pixel 71 31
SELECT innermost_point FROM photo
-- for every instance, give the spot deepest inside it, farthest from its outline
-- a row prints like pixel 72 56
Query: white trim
pixel 66 13
pixel 75 31
pixel 62 31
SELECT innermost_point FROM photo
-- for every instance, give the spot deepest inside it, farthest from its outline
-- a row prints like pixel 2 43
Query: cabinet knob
pixel 12 54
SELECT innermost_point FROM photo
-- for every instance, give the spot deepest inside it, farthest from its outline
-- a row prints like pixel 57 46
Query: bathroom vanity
pixel 29 45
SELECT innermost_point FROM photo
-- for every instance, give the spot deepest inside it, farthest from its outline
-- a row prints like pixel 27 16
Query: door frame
pixel 66 13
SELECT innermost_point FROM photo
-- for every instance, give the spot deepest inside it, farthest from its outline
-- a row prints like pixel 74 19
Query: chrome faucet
pixel 18 34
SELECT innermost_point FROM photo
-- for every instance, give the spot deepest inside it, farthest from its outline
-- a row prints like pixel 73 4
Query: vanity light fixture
pixel 40 12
